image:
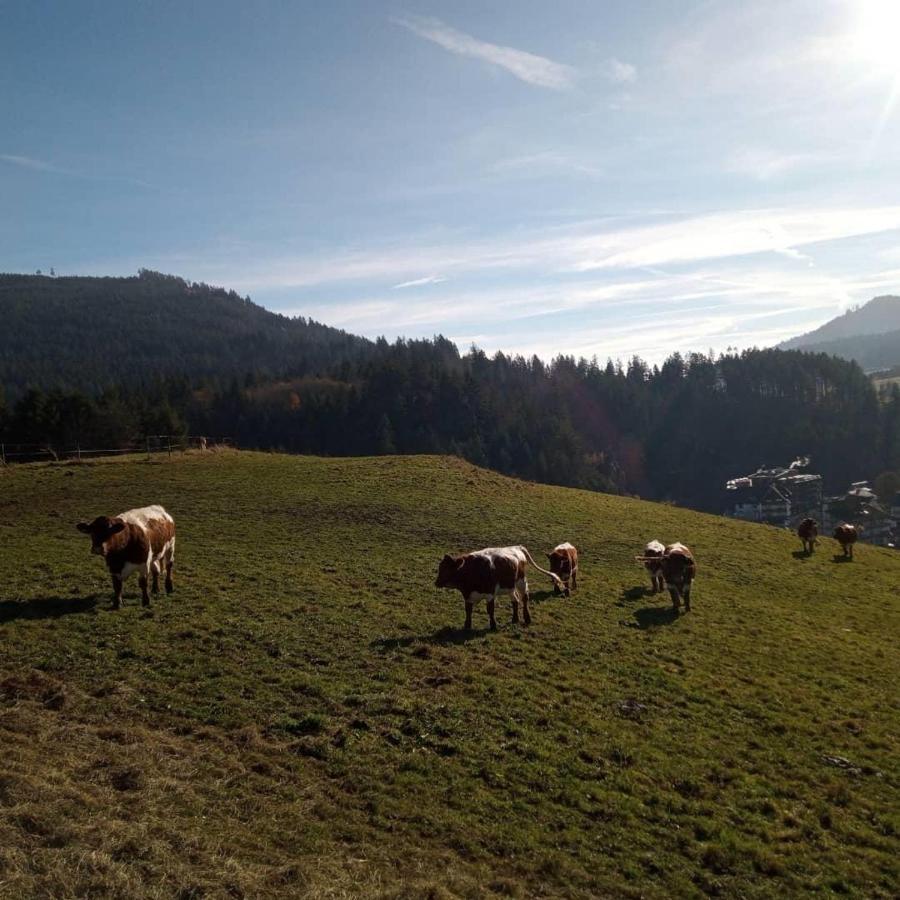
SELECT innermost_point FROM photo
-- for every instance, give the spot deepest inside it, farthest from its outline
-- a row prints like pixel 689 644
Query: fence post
pixel 148 446
pixel 3 453
pixel 169 444
pixel 78 451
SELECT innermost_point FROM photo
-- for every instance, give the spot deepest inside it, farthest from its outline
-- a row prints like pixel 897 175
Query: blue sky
pixel 588 177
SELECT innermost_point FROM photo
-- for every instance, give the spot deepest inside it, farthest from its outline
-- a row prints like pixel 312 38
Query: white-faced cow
pixel 808 531
pixel 846 535
pixel 679 570
pixel 652 560
pixel 564 564
pixel 140 540
pixel 484 573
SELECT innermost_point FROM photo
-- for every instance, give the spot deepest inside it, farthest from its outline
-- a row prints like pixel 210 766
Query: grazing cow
pixel 679 571
pixel 564 564
pixel 141 540
pixel 652 560
pixel 846 535
pixel 485 572
pixel 808 531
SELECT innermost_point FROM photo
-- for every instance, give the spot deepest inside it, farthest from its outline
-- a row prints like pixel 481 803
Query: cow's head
pixel 447 570
pixel 101 530
pixel 560 564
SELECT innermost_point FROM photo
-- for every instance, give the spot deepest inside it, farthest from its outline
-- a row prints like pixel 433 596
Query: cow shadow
pixel 654 616
pixel 801 554
pixel 538 597
pixel 638 592
pixel 46 607
pixel 840 558
pixel 442 637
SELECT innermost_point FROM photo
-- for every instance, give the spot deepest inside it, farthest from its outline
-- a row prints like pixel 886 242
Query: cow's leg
pixel 154 570
pixel 687 597
pixel 522 589
pixel 117 591
pixel 143 579
pixel 514 601
pixel 676 600
pixel 491 606
pixel 469 604
pixel 574 580
pixel 170 563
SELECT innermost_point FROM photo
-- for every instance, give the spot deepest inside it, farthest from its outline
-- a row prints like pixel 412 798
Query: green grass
pixel 303 716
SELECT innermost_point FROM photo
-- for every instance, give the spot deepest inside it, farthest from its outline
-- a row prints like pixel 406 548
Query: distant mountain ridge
pixel 869 334
pixel 92 332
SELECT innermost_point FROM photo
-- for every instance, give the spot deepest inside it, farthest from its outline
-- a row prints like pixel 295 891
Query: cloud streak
pixel 527 67
pixel 39 165
pixel 419 282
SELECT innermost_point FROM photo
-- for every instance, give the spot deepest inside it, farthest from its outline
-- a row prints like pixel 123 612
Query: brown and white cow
pixel 139 540
pixel 484 573
pixel 652 560
pixel 679 570
pixel 808 531
pixel 847 535
pixel 564 564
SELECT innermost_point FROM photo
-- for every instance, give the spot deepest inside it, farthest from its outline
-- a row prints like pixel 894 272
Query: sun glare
pixel 877 35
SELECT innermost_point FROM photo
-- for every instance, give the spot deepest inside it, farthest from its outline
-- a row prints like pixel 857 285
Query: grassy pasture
pixel 304 718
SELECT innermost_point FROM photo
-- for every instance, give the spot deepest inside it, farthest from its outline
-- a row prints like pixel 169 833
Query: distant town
pixel 785 495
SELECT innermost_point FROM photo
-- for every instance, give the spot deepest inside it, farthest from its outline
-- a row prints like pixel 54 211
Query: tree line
pixel 674 432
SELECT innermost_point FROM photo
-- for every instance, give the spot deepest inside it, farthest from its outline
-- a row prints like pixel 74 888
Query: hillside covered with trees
pixel 674 432
pixel 95 333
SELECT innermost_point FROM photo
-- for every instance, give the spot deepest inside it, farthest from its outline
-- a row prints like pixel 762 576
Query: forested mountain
pixel 93 333
pixel 206 361
pixel 869 334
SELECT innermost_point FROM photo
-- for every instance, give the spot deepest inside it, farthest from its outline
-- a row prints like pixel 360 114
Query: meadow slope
pixel 303 716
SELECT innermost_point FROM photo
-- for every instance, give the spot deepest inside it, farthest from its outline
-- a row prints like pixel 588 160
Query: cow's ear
pixel 116 527
pixel 84 527
pixel 459 562
pixel 447 558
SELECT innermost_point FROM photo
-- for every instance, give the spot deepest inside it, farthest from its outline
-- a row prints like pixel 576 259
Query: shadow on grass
pixel 801 554
pixel 653 616
pixel 638 592
pixel 443 636
pixel 541 596
pixel 46 607
pixel 840 558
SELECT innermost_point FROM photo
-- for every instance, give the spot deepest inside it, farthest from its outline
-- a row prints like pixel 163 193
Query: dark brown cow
pixel 808 531
pixel 140 540
pixel 485 572
pixel 679 570
pixel 846 535
pixel 564 564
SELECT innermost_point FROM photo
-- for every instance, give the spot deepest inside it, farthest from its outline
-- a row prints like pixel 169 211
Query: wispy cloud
pixel 39 165
pixel 26 162
pixel 545 162
pixel 765 165
pixel 565 252
pixel 620 72
pixel 528 67
pixel 419 282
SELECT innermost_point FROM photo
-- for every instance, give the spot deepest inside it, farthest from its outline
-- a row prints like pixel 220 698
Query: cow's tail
pixel 556 579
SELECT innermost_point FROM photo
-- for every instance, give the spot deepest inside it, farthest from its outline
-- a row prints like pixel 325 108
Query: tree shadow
pixel 653 616
pixel 46 607
pixel 840 558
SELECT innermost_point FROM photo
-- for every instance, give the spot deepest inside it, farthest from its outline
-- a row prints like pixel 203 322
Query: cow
pixel 483 573
pixel 139 540
pixel 564 564
pixel 847 535
pixel 808 531
pixel 679 570
pixel 652 560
